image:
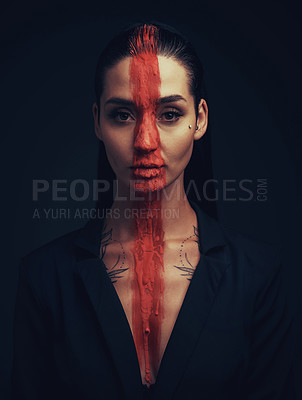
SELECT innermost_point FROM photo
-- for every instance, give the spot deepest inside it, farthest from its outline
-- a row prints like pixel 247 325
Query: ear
pixel 96 116
pixel 202 120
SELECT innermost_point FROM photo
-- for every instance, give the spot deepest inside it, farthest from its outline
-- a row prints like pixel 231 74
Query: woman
pixel 156 299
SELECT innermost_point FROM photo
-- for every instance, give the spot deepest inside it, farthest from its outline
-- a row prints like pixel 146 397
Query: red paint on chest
pixel 147 309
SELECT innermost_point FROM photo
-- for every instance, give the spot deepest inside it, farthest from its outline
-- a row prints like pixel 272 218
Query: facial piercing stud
pixel 190 126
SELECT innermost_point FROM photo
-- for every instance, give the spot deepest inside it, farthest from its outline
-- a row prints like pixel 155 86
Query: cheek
pixel 177 149
pixel 119 148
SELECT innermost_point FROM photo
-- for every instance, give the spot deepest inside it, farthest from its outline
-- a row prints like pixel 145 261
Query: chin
pixel 149 188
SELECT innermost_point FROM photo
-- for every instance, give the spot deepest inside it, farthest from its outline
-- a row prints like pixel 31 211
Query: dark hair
pixel 170 43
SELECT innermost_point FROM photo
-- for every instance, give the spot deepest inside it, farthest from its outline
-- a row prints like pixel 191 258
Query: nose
pixel 146 135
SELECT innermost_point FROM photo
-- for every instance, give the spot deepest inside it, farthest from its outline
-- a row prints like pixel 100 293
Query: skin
pixel 176 139
pixel 136 130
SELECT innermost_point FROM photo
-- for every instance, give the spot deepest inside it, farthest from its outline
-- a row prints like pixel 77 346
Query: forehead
pixel 173 77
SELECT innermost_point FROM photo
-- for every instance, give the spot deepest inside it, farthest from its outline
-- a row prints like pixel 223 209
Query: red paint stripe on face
pixel 147 309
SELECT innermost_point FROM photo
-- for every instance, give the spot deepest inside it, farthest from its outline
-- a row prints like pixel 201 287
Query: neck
pixel 170 204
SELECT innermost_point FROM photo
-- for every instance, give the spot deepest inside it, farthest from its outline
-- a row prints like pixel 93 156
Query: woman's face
pixel 164 145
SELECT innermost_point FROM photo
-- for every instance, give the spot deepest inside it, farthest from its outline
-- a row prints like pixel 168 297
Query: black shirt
pixel 233 337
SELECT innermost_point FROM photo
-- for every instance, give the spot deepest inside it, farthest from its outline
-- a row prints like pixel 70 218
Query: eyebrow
pixel 162 100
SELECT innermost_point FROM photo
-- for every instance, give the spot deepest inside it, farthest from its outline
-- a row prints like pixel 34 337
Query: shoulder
pixel 247 255
pixel 67 247
pixel 255 259
pixel 250 246
pixel 61 247
pixel 51 265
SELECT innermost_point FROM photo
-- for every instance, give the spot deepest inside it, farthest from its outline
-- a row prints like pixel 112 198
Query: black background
pixel 251 54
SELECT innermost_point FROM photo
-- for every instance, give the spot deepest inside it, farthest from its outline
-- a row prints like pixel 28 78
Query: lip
pixel 147 172
pixel 147 166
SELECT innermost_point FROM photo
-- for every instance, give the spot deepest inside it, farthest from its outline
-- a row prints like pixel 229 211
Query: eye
pixel 121 116
pixel 170 116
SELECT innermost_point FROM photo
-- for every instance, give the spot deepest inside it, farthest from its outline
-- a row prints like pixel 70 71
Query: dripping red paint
pixel 149 175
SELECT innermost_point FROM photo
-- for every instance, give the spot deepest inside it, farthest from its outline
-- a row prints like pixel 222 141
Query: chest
pixel 179 263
